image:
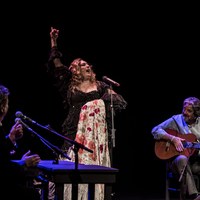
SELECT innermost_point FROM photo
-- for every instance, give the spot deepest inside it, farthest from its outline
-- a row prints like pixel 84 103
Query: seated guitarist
pixel 171 131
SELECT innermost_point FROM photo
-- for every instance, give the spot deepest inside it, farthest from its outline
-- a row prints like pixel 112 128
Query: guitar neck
pixel 194 145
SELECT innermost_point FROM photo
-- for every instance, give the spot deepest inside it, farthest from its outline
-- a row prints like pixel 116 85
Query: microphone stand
pixel 112 123
pixel 48 144
pixel 76 147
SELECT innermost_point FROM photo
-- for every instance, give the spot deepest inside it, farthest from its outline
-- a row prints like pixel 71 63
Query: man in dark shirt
pixel 13 174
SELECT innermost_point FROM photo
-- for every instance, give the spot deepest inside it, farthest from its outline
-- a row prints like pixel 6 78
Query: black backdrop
pixel 153 52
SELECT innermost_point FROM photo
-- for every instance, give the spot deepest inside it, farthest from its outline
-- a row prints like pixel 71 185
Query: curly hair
pixel 77 76
pixel 4 93
pixel 195 102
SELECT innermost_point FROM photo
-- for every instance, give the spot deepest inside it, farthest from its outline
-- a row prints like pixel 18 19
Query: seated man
pixel 13 174
pixel 187 122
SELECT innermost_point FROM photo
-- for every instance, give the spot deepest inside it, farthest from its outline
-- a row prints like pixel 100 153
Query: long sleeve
pixel 60 75
pixel 8 169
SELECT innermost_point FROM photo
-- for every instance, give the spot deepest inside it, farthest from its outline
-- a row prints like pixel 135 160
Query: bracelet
pixel 172 138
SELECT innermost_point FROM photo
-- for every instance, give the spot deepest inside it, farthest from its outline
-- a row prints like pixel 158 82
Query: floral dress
pixel 93 133
pixel 88 121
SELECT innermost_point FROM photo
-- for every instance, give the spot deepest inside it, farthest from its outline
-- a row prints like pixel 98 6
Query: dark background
pixel 151 50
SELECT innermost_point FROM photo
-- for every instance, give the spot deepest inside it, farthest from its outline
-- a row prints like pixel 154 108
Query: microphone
pixel 23 124
pixel 105 78
pixel 18 120
pixel 19 114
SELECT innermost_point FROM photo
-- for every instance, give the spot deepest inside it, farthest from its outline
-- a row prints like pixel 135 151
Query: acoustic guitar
pixel 165 149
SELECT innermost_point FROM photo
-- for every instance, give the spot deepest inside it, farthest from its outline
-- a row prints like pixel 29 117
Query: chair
pixel 173 185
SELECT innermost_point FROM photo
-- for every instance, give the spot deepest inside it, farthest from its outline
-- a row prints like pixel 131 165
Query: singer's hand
pixel 16 132
pixel 31 160
pixel 54 33
pixel 54 36
pixel 111 91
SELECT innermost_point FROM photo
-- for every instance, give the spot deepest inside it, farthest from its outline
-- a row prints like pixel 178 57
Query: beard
pixel 189 120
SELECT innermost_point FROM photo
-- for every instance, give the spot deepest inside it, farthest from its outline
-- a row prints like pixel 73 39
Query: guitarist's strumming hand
pixel 178 143
pixel 175 143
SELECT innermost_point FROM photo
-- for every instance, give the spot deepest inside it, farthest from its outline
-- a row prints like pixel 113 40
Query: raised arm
pixel 54 36
pixel 55 54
